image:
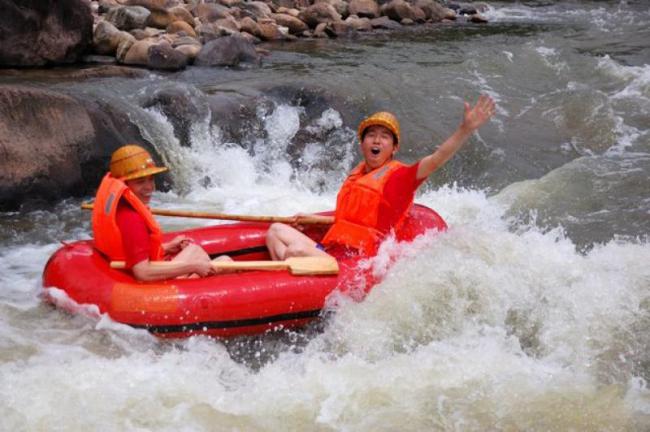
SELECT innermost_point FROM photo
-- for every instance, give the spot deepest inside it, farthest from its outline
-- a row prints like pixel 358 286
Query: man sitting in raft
pixel 378 193
pixel 125 229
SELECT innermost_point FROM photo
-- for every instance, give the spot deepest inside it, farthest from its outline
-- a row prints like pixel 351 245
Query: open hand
pixel 476 116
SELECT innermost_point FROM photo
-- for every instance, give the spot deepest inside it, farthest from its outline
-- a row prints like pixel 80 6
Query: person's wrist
pixel 466 129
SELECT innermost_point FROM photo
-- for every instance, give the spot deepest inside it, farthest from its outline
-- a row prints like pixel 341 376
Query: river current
pixel 532 312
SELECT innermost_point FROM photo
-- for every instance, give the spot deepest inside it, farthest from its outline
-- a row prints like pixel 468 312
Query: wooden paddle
pixel 306 219
pixel 296 265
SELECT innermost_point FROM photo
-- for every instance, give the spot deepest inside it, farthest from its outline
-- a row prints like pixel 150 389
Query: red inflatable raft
pixel 222 305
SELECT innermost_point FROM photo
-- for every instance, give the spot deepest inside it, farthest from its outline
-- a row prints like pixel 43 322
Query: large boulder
pixel 128 17
pixel 138 53
pixel 399 10
pixel 43 136
pixel 210 12
pixel 319 13
pixel 258 9
pixel 107 38
pixel 163 56
pixel 42 32
pixel 55 146
pixel 364 8
pixel 227 51
pixel 433 10
pixel 295 25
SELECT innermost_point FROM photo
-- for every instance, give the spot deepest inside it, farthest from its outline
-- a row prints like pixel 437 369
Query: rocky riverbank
pixel 171 34
pixel 55 145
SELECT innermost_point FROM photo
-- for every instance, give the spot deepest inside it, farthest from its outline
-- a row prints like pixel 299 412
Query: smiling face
pixel 142 187
pixel 377 146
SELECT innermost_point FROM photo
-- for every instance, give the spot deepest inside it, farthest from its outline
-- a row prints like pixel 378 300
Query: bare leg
pixel 193 253
pixel 284 241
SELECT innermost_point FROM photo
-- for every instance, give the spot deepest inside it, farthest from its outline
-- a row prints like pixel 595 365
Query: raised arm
pixel 474 118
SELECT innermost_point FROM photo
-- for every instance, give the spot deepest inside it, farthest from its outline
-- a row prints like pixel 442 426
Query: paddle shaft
pixel 308 219
pixel 296 265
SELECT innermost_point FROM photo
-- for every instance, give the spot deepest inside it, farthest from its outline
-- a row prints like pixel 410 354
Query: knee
pixel 297 250
pixel 274 230
pixel 195 251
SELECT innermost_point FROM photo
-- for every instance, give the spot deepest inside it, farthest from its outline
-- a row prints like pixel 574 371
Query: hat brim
pixel 144 173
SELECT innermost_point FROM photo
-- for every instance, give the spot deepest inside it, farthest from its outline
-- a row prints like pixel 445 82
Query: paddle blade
pixel 312 265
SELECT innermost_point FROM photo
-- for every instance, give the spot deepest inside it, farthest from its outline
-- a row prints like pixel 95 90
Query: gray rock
pixel 398 10
pixel 364 8
pixel 227 51
pixel 128 17
pixel 295 25
pixel 319 13
pixel 385 23
pixel 433 10
pixel 164 57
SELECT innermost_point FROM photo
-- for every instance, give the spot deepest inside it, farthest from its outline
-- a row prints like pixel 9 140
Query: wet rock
pixel 41 32
pixel 160 18
pixel 43 139
pixel 321 31
pixel 227 51
pixel 359 24
pixel 128 17
pixel 163 56
pixel 433 10
pixel 229 23
pixel 385 23
pixel 107 38
pixel 212 31
pixel 123 49
pixel 231 3
pixel 269 30
pixel 258 9
pixel 185 40
pixel 190 51
pixel 183 14
pixel 138 53
pixel 364 8
pixel 398 10
pixel 210 12
pixel 288 11
pixel 106 5
pixel 340 6
pixel 339 29
pixel 314 101
pixel 250 38
pixel 181 27
pixel 478 18
pixel 295 25
pixel 236 117
pixel 183 107
pixel 319 13
pixel 98 59
pixel 249 25
pixel 152 5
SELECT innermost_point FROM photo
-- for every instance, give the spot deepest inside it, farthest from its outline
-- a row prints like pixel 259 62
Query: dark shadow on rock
pixel 44 32
pixel 183 106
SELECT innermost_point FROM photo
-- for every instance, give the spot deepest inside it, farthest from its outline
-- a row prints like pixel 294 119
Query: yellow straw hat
pixel 130 162
pixel 383 118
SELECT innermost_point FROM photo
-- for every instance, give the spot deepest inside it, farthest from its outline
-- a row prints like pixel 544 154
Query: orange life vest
pixel 108 238
pixel 356 219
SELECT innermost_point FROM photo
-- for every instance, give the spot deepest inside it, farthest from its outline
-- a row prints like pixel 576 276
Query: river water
pixel 531 313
